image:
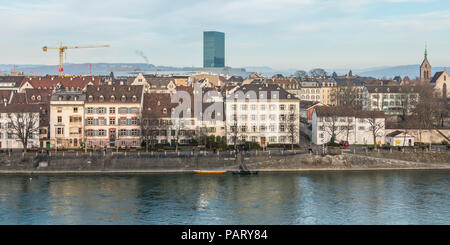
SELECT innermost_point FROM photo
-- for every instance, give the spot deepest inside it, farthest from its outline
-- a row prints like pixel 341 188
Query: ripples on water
pixel 350 197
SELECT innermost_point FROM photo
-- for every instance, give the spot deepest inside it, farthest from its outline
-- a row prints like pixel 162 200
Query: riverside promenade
pixel 273 160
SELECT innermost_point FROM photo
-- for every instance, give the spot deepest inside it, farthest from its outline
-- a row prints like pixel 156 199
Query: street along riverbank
pixel 137 162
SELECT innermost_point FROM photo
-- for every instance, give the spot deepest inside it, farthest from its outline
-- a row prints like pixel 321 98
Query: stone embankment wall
pixel 424 157
pixel 121 163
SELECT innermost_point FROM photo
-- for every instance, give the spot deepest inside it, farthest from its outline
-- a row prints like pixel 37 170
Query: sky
pixel 282 34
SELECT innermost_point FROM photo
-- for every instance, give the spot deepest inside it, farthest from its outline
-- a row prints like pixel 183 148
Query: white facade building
pixel 67 119
pixel 262 113
pixel 9 116
pixel 356 127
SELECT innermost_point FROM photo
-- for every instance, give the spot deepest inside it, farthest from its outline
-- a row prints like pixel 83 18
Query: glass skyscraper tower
pixel 213 49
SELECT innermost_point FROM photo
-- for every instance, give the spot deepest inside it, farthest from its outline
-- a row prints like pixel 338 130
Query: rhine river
pixel 323 197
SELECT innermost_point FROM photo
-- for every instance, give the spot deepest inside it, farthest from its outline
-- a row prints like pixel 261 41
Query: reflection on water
pixel 357 197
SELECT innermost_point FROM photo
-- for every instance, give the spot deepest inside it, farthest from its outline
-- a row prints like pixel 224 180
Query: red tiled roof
pixel 50 82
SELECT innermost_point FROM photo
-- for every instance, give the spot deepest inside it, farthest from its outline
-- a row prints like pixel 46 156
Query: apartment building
pixel 346 124
pixel 262 113
pixel 67 119
pixel 393 100
pixel 112 114
pixel 13 115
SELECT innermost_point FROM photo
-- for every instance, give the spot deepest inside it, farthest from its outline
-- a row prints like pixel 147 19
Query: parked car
pixel 344 143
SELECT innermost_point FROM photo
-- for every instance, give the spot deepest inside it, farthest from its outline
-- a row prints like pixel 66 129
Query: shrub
pixel 444 142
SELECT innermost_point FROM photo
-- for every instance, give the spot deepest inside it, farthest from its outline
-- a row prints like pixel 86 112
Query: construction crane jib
pixel 62 49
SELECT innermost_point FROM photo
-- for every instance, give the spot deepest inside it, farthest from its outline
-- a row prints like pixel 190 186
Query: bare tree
pixel 377 125
pixel 23 126
pixel 317 72
pixel 348 127
pixel 300 73
pixel 348 95
pixel 330 126
pixel 292 126
pixel 149 130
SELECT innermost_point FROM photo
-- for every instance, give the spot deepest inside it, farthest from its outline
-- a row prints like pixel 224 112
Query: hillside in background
pixel 411 71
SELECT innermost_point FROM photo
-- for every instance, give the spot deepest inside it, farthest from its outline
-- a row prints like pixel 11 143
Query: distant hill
pixel 411 71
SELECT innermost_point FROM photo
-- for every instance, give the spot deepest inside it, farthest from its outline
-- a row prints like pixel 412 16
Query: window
pixel 282 128
pixel 112 121
pixel 59 131
pixel 123 110
pixel 282 107
pixel 75 119
pixel 59 109
pixel 262 117
pixel 263 107
pixel 102 110
pixel 361 128
pixel 90 121
pixel 112 110
pixel 123 132
pixel 291 107
pixel 75 110
pixel 135 132
pixel 272 128
pixel 101 132
pixel 90 110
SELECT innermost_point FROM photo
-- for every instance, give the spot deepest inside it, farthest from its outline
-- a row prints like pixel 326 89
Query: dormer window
pixel 39 97
pixel 32 97
pixel 165 111
pixel 101 98
pixel 134 99
pixel 159 102
pixel 60 97
pixel 123 99
pixel 90 98
pixel 113 98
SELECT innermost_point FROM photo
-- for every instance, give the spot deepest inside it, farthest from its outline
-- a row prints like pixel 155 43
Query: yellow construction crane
pixel 62 49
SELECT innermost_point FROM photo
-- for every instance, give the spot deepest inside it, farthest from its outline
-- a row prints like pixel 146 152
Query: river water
pixel 325 197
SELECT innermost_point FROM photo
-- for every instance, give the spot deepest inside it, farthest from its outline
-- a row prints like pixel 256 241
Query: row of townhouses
pixel 105 111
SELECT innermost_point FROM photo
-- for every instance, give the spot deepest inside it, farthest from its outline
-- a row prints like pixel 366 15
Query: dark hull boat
pixel 243 172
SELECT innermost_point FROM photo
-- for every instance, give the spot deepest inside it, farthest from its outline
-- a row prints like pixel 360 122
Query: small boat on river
pixel 243 172
pixel 209 171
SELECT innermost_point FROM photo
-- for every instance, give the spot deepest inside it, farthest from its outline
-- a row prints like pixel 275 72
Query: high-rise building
pixel 213 49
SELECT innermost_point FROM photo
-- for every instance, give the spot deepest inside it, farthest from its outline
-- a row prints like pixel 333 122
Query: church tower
pixel 425 69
